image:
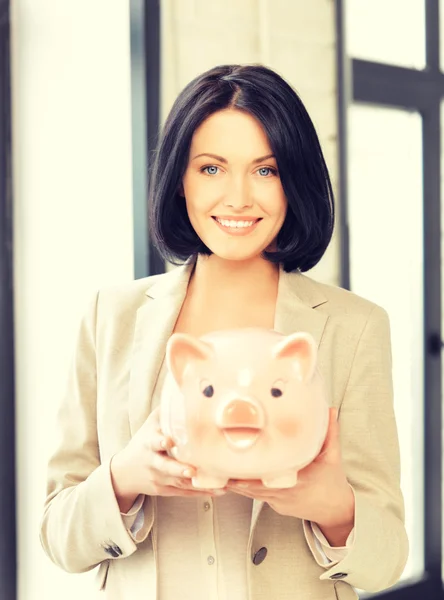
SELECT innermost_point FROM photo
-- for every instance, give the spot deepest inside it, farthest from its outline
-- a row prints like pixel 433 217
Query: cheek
pixel 192 194
pixel 201 420
pixel 283 206
pixel 272 195
pixel 289 428
pixel 199 189
pixel 198 209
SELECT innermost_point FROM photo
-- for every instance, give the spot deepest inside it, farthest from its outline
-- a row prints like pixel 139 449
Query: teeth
pixel 226 223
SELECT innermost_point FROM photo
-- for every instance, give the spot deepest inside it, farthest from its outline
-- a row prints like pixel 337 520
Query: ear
pixel 301 349
pixel 181 350
pixel 181 191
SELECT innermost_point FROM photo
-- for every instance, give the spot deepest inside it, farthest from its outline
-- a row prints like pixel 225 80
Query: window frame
pixel 145 101
pixel 8 539
pixel 372 83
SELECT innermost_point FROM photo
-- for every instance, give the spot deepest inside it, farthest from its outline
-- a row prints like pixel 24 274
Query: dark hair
pixel 259 91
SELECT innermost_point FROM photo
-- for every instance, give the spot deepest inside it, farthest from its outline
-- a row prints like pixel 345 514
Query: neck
pixel 241 279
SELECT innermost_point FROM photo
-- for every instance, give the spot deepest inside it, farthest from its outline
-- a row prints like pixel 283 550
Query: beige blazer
pixel 120 348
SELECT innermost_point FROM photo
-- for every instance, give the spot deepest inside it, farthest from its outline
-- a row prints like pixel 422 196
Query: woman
pixel 241 192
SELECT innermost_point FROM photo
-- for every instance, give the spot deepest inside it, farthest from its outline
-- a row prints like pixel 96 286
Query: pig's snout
pixel 241 413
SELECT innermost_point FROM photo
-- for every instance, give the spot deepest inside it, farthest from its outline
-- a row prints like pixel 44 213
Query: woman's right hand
pixel 144 467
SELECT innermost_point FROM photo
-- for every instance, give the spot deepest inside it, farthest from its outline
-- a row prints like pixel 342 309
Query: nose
pixel 239 196
pixel 241 413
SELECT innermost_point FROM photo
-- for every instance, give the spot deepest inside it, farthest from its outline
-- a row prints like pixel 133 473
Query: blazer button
pixel 113 551
pixel 260 556
pixel 338 575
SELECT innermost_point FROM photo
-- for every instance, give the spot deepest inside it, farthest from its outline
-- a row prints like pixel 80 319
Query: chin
pixel 236 256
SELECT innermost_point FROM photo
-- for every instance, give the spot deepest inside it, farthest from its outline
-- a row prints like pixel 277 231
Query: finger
pixel 182 483
pixel 186 484
pixel 152 423
pixel 160 442
pixel 252 485
pixel 169 467
pixel 246 482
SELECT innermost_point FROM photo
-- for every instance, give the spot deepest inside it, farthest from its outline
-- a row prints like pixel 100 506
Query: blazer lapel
pixel 155 322
pixel 298 296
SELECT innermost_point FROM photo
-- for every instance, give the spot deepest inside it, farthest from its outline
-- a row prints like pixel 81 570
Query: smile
pixel 237 226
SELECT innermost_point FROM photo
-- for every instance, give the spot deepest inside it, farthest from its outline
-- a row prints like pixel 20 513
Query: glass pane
pixel 387 32
pixel 386 250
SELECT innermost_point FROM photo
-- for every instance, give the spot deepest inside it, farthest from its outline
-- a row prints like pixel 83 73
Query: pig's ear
pixel 301 348
pixel 181 350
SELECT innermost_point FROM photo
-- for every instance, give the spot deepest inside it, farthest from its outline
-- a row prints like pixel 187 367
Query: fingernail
pixel 188 473
pixel 163 444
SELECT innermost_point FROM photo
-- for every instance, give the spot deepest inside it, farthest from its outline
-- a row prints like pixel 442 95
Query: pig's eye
pixel 278 388
pixel 206 388
pixel 208 391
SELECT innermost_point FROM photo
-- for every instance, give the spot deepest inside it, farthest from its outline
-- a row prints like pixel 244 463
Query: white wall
pixel 73 223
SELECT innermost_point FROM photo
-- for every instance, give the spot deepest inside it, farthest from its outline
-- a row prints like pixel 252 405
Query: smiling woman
pixel 241 191
pixel 232 153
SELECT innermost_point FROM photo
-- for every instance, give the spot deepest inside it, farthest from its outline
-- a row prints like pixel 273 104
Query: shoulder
pixel 129 291
pixel 113 301
pixel 343 305
pixel 352 322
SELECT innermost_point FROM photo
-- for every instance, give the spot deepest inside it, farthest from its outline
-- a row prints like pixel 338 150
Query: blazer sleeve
pixel 82 525
pixel 370 452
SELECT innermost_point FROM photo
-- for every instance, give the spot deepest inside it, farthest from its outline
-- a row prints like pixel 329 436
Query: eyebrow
pixel 225 161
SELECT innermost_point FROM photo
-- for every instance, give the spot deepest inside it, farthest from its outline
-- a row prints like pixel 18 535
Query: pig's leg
pixel 208 482
pixel 286 479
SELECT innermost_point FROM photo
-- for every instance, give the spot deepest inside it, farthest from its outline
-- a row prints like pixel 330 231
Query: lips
pixel 237 226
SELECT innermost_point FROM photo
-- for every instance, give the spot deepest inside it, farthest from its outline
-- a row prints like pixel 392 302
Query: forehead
pixel 230 131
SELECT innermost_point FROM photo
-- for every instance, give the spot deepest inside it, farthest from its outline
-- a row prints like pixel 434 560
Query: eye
pixel 278 388
pixel 208 391
pixel 270 169
pixel 206 388
pixel 204 170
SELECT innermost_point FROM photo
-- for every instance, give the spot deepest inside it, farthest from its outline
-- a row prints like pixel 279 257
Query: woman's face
pixel 232 188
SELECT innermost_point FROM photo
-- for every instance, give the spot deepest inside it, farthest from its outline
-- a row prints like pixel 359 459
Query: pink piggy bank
pixel 244 404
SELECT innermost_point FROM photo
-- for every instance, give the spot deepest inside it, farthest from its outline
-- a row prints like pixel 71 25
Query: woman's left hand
pixel 322 493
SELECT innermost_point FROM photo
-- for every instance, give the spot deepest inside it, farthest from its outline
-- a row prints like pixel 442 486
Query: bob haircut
pixel 259 91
